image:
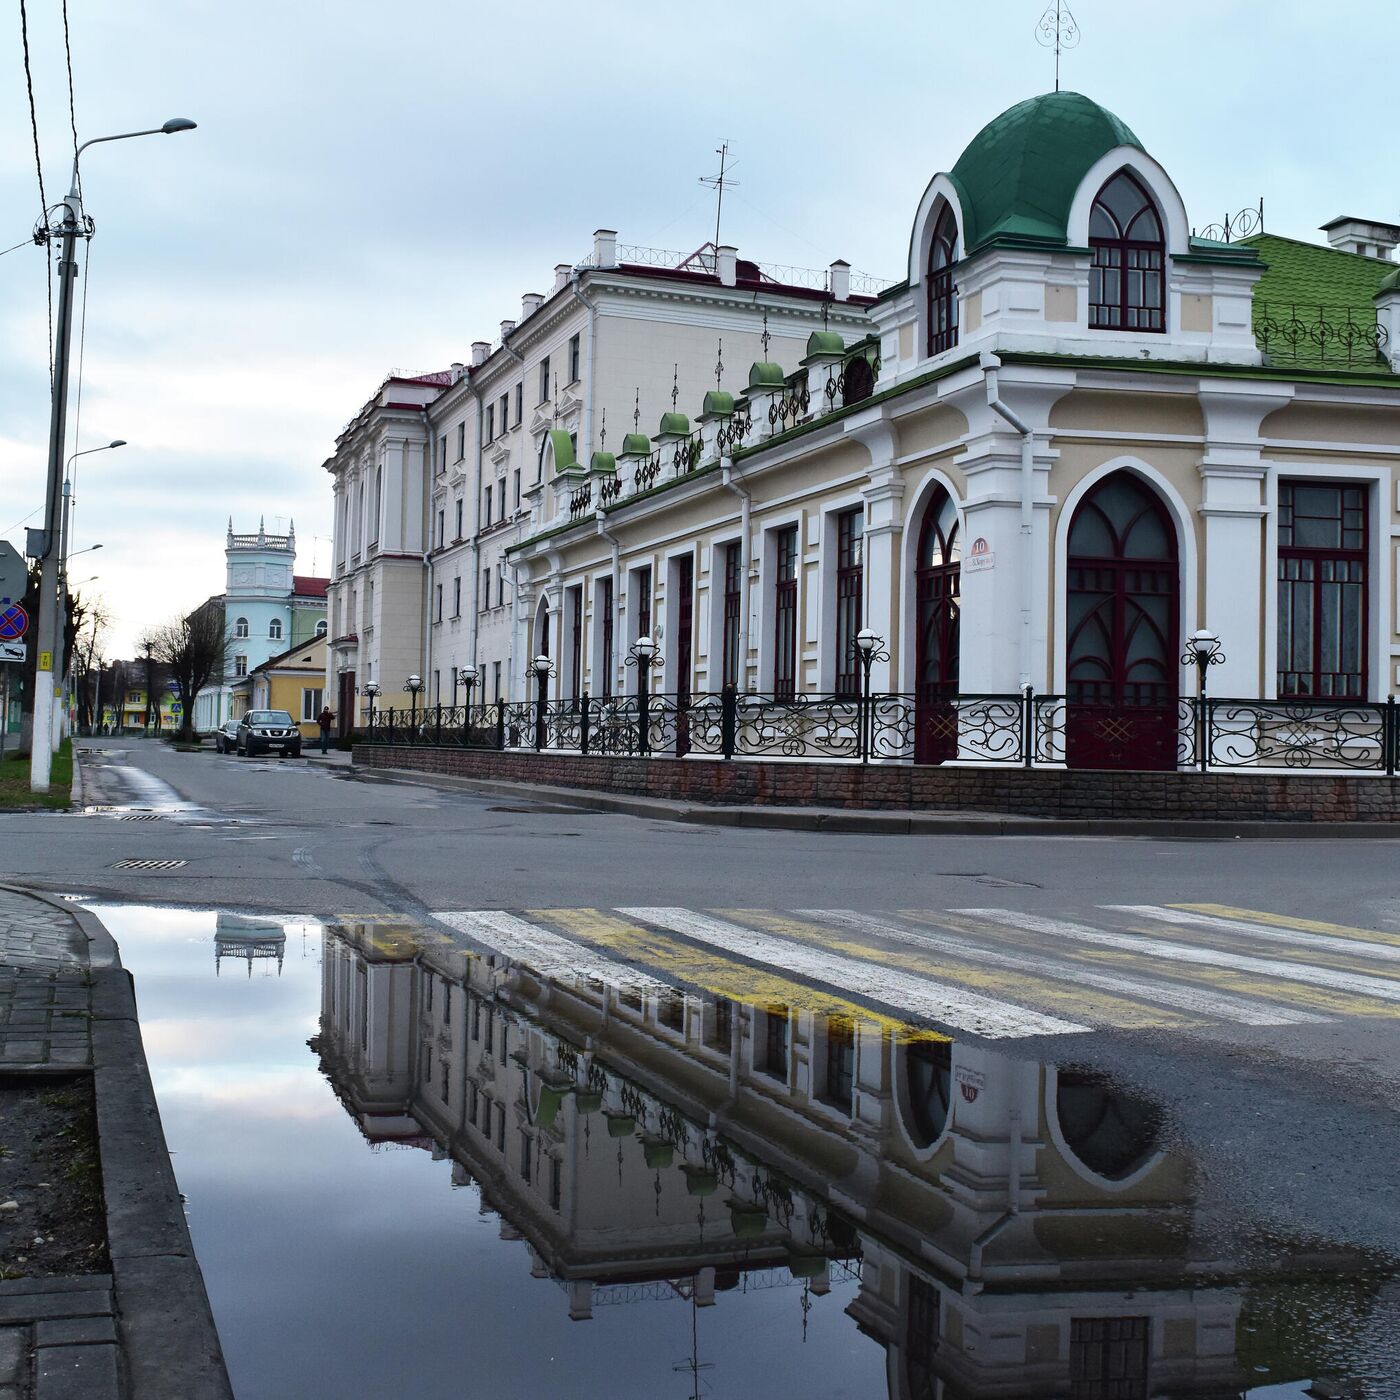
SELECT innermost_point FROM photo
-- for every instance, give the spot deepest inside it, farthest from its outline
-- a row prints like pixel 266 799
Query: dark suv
pixel 261 731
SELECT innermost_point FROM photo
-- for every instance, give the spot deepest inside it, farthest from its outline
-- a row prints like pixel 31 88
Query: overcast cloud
pixel 374 185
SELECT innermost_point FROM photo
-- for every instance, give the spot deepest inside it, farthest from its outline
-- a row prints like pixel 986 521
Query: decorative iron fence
pixel 1029 730
pixel 1293 332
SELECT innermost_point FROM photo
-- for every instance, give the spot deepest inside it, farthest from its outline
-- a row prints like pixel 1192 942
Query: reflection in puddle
pixel 667 1195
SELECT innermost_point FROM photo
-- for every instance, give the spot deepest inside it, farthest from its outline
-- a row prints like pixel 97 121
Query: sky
pixel 373 186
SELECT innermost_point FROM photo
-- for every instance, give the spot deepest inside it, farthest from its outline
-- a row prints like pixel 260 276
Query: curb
pixel 169 1341
pixel 849 821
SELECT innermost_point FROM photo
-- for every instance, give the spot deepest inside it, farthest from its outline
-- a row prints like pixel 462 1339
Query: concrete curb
pixel 169 1342
pixel 848 821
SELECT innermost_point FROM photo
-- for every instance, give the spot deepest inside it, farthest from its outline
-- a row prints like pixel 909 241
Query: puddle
pixel 406 1157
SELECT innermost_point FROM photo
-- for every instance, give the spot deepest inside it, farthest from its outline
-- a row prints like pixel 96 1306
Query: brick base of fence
pixel 1068 795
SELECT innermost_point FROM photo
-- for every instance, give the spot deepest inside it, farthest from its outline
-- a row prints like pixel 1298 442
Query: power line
pixel 39 168
pixel 28 243
pixel 72 110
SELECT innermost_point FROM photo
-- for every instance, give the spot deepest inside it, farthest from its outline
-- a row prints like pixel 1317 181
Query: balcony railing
pixel 1302 333
pixel 1027 730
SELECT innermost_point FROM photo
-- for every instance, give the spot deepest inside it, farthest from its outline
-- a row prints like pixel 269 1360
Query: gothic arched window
pixel 942 291
pixel 1125 275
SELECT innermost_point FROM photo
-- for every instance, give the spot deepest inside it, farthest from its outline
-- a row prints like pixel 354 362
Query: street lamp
pixel 1202 650
pixel 642 655
pixel 72 225
pixel 869 649
pixel 467 676
pixel 543 668
pixel 413 686
pixel 371 689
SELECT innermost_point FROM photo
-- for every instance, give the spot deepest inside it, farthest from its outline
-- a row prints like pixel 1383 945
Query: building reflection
pixel 249 939
pixel 1003 1227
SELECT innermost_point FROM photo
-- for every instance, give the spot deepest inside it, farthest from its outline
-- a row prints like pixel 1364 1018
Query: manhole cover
pixel 133 864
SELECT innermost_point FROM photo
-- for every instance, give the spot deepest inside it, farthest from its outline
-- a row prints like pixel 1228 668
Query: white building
pixel 440 473
pixel 267 607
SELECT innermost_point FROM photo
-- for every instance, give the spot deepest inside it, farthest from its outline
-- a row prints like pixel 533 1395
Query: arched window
pixel 240 627
pixel 274 630
pixel 1112 1132
pixel 937 580
pixel 321 628
pixel 942 292
pixel 1125 277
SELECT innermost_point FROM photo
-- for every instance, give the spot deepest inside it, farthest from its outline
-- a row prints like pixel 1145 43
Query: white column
pixel 884 534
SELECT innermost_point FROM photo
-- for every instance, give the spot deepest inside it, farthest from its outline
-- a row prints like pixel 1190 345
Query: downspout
pixel 1013 1203
pixel 428 556
pixel 476 534
pixel 990 364
pixel 731 480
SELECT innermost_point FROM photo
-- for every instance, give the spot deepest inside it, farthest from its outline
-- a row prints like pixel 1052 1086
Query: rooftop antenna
pixel 718 182
pixel 1057 29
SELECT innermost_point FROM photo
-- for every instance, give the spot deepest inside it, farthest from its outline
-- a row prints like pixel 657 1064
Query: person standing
pixel 325 719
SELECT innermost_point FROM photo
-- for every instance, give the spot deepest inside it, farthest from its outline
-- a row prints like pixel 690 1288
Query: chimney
pixel 605 247
pixel 506 328
pixel 727 264
pixel 529 304
pixel 839 280
pixel 480 350
pixel 457 368
pixel 1364 236
pixel 562 273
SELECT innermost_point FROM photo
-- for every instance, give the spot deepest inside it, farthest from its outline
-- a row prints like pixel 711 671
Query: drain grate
pixel 140 817
pixel 133 864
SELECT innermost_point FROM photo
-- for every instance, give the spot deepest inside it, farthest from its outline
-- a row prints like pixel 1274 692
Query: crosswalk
pixel 995 973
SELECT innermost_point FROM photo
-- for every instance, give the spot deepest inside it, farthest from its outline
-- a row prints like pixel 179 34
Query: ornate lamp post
pixel 467 676
pixel 543 668
pixel 371 689
pixel 1202 650
pixel 642 655
pixel 413 685
pixel 869 650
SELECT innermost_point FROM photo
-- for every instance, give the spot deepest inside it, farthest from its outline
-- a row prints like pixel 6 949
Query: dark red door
pixel 345 709
pixel 937 582
pixel 1122 645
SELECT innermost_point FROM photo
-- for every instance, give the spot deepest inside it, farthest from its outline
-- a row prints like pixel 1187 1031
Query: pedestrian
pixel 324 719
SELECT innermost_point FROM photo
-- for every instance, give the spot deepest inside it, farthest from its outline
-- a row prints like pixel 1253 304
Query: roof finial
pixel 603 432
pixel 719 365
pixel 765 337
pixel 1057 29
pixel 675 385
pixel 637 411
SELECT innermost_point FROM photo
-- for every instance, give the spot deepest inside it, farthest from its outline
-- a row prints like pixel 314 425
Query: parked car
pixel 226 737
pixel 261 731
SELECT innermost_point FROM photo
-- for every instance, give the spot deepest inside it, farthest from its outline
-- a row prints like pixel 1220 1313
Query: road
pixel 1251 987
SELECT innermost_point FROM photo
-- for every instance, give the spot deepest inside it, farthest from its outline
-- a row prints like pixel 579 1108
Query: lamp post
pixel 642 655
pixel 371 689
pixel 413 685
pixel 1202 650
pixel 467 676
pixel 869 650
pixel 71 225
pixel 543 668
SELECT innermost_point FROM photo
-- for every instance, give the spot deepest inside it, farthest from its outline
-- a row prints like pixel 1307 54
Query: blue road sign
pixel 14 623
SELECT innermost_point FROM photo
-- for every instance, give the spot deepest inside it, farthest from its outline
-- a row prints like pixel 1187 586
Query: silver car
pixel 226 737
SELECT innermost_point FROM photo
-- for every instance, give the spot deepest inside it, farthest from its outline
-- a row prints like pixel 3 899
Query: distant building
pixel 293 681
pixel 267 609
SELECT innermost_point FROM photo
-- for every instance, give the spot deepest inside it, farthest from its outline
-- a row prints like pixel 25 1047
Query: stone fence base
pixel 1067 795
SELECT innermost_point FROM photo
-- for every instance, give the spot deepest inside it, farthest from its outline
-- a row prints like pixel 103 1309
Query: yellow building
pixel 294 681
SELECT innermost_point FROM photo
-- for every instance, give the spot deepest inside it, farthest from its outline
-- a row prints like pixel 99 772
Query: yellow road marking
pixel 1254 916
pixel 1095 1007
pixel 716 974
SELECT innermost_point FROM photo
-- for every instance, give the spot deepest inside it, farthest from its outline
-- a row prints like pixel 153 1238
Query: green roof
pixel 635 443
pixel 673 422
pixel 766 375
pixel 1390 282
pixel 603 462
pixel 1018 177
pixel 1312 286
pixel 825 343
pixel 563 449
pixel 718 403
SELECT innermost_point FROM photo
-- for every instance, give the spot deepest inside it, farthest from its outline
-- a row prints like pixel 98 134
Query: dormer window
pixel 942 293
pixel 1125 276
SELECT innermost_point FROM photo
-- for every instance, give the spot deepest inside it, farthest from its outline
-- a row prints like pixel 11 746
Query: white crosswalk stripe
pixel 1217 1005
pixel 925 997
pixel 546 952
pixel 1270 933
pixel 1355 982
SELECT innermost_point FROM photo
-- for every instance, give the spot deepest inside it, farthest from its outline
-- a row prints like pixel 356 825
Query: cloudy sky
pixel 374 185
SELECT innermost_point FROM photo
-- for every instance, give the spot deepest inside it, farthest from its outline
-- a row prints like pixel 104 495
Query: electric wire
pixel 72 109
pixel 28 243
pixel 39 168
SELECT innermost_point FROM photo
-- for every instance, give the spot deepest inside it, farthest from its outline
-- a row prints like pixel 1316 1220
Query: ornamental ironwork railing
pixel 648 470
pixel 581 500
pixel 688 452
pixel 735 429
pixel 1296 332
pixel 1027 730
pixel 787 409
pixel 853 380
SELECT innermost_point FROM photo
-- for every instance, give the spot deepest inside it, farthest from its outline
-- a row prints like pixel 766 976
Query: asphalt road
pixel 1250 986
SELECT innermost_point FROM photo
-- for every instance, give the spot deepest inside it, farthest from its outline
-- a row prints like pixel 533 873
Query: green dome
pixel 1018 176
pixel 1390 282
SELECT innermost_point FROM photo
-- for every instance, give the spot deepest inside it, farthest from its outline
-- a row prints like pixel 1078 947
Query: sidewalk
pixel 143 1329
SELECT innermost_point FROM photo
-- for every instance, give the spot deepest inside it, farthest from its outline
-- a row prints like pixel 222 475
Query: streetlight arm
pixel 167 129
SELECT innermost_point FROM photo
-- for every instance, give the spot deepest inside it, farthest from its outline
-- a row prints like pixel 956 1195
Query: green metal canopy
pixel 548 1110
pixel 563 450
pixel 1018 176
pixel 636 444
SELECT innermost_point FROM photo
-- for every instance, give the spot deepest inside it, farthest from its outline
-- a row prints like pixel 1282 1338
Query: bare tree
pixel 193 649
pixel 92 622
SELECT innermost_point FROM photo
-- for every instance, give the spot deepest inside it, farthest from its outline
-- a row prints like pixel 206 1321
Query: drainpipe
pixel 574 279
pixel 990 364
pixel 1013 1203
pixel 613 540
pixel 731 480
